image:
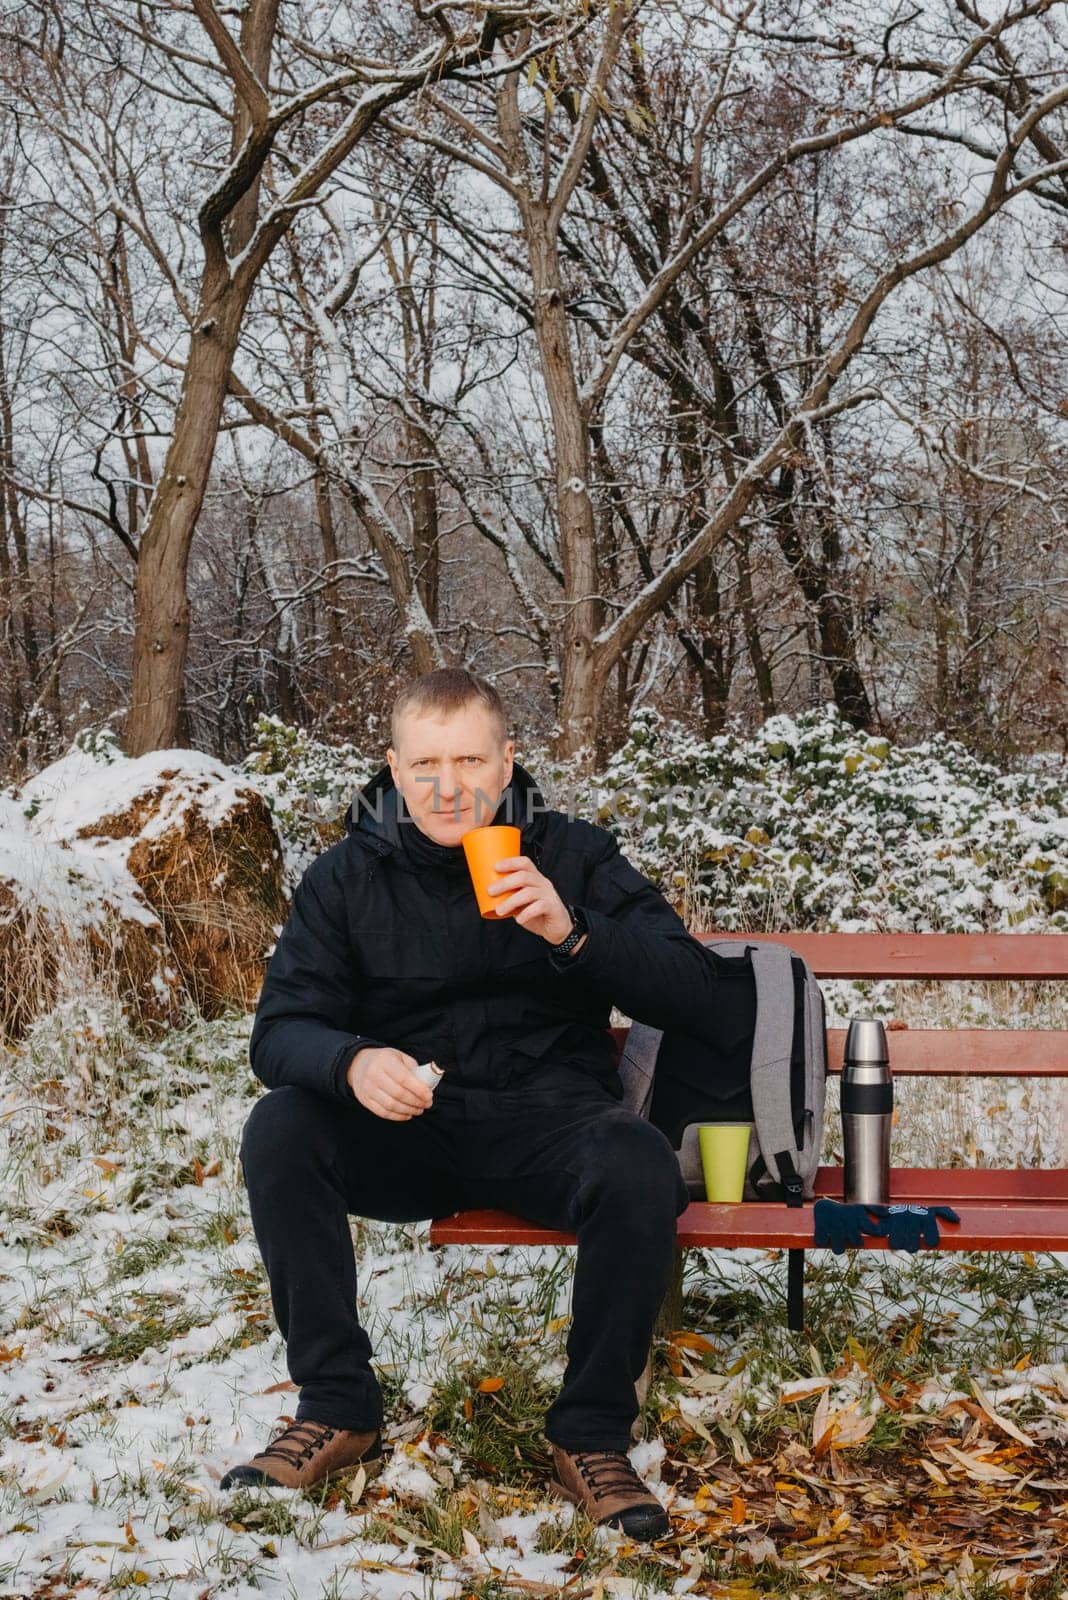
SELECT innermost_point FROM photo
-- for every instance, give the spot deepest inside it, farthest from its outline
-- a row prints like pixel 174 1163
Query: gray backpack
pixel 771 1072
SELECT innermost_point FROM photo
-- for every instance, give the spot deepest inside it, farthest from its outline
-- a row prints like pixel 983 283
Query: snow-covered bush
pixel 810 824
pixel 307 785
pixel 805 823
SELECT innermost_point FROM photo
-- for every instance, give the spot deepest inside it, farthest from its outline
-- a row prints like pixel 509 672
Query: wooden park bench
pixel 1000 1209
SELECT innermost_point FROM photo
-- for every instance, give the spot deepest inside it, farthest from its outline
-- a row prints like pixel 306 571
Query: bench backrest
pixel 984 1052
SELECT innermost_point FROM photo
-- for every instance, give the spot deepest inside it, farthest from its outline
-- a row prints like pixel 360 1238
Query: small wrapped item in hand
pixel 430 1073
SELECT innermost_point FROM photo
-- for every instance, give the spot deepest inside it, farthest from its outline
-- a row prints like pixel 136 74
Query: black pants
pixel 559 1151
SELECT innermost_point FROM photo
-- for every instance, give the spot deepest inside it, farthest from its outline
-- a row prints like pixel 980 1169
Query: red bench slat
pixel 968 1052
pixel 958 1052
pixel 1006 1184
pixel 923 955
pixel 984 1225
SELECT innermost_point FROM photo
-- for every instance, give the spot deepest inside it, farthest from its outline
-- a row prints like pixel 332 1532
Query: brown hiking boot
pixel 608 1489
pixel 307 1453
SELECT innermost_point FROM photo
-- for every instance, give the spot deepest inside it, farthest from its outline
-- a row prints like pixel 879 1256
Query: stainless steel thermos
pixel 867 1110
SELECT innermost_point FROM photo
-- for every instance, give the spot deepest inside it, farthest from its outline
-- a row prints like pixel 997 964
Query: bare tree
pixel 536 158
pixel 621 351
pixel 980 535
pixel 260 88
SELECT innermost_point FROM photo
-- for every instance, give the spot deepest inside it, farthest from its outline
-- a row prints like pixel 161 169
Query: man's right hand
pixel 383 1080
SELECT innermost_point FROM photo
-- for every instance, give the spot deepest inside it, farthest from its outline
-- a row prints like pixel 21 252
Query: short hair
pixel 446 691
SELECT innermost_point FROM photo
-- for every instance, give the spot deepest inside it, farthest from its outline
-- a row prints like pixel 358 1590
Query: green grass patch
pixel 498 1432
pixel 154 1321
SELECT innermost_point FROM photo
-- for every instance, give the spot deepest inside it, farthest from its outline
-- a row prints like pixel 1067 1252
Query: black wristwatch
pixel 579 926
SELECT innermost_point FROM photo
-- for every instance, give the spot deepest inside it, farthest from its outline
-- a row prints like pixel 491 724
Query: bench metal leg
pixel 795 1291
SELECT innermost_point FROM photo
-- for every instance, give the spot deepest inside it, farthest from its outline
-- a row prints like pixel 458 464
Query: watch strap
pixel 566 946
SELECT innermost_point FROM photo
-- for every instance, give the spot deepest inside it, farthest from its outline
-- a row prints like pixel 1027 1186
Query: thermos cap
pixel 866 1041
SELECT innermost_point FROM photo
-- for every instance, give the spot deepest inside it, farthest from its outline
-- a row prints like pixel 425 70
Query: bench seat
pixel 999 1208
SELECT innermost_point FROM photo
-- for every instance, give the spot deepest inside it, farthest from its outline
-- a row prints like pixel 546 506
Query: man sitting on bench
pixel 384 963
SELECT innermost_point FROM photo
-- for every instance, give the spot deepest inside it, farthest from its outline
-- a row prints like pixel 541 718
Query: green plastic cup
pixel 725 1158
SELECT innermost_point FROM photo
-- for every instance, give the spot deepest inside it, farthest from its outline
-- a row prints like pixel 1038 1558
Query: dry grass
pixel 216 886
pixel 208 881
pixel 118 957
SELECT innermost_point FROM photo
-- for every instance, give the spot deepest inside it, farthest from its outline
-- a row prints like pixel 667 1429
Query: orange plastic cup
pixel 484 847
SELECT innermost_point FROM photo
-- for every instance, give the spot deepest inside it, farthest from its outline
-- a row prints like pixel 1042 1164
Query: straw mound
pixel 68 923
pixel 199 844
pixel 28 962
pixel 216 884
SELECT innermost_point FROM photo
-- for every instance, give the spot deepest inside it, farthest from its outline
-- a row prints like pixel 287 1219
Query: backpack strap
pixel 769 1073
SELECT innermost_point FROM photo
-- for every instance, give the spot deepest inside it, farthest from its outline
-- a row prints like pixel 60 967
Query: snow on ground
pixel 139 1358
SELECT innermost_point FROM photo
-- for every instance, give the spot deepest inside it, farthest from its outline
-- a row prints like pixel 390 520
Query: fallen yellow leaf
pixel 789 1396
pixel 982 1471
pixel 910 1343
pixel 857 1351
pixel 1004 1423
pixel 693 1341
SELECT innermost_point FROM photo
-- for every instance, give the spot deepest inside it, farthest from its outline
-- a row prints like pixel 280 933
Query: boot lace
pixel 609 1472
pixel 297 1443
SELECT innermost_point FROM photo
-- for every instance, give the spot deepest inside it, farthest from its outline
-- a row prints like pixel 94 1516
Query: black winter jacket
pixel 384 945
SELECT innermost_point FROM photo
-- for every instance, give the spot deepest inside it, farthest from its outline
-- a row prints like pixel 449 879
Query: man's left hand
pixel 527 892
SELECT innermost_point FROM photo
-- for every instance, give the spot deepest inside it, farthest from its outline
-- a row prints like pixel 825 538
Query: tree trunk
pixel 426 562
pixel 583 676
pixel 324 512
pixel 20 592
pixel 584 670
pixel 832 618
pixel 161 604
pixel 751 624
pixel 324 509
pixel 715 669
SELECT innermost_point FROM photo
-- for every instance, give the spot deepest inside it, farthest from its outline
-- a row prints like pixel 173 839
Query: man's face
pixel 452 772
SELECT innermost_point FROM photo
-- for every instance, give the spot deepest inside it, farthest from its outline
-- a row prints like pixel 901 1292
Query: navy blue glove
pixel 908 1227
pixel 838 1225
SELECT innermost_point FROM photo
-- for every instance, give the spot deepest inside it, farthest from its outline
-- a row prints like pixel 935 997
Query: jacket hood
pixel 375 810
